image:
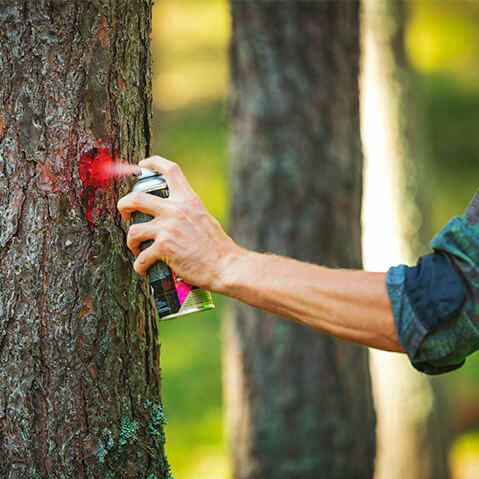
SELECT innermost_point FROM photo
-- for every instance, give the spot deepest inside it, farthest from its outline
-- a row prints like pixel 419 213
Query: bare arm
pixel 351 305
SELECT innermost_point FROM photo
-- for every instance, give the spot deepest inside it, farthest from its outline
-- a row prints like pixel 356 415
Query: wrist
pixel 231 268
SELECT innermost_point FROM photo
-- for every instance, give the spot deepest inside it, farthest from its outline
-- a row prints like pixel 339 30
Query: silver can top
pixel 149 181
pixel 146 173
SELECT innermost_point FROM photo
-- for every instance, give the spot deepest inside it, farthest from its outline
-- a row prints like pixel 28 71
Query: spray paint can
pixel 173 296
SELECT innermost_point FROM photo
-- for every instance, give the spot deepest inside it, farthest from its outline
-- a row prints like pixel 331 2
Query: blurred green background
pixel 190 62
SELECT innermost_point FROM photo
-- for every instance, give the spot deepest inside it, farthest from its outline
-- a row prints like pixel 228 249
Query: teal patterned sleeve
pixel 445 346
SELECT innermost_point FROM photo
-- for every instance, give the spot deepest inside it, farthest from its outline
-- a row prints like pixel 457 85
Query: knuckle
pixel 159 246
pixel 173 168
pixel 163 246
pixel 167 230
pixel 131 242
pixel 136 198
pixel 138 268
pixel 180 212
pixel 133 232
pixel 157 223
pixel 129 201
pixel 124 203
pixel 167 249
pixel 195 201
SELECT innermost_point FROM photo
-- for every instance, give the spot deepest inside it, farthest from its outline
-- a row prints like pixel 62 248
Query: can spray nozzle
pixel 146 173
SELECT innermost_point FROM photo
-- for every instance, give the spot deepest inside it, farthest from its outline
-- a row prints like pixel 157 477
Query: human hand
pixel 185 235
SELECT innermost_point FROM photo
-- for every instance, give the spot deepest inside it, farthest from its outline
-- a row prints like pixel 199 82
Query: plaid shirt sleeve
pixel 436 302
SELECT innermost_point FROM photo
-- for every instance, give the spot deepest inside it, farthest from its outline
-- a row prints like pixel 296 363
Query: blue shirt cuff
pixel 409 329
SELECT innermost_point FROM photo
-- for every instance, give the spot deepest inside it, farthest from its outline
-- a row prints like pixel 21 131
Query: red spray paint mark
pixel 94 168
pixel 97 169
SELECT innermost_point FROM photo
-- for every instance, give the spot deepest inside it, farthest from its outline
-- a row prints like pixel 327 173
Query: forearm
pixel 351 305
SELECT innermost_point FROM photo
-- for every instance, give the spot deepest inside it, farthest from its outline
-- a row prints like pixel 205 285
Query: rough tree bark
pixel 79 363
pixel 299 402
pixel 410 429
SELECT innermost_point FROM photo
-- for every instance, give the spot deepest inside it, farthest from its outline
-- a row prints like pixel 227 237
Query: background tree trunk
pixel 300 403
pixel 410 427
pixel 79 362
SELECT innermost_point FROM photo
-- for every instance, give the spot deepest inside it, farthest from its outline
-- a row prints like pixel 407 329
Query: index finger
pixel 140 201
pixel 176 180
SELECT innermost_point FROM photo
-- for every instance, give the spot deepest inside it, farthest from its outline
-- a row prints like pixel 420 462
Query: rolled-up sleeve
pixel 436 302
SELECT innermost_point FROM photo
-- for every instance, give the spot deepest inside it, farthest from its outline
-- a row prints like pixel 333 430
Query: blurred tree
pixel 79 362
pixel 410 428
pixel 300 403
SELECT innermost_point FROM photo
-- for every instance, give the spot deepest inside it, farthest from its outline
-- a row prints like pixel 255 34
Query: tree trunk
pixel 410 426
pixel 79 361
pixel 300 402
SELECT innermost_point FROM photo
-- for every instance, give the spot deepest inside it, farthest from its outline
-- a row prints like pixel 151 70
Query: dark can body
pixel 173 296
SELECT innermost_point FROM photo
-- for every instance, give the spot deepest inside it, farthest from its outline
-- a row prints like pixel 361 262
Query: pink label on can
pixel 182 289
